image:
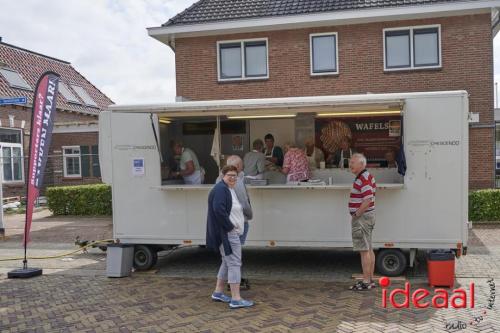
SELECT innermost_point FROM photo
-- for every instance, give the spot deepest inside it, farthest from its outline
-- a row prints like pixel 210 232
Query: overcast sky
pixel 106 41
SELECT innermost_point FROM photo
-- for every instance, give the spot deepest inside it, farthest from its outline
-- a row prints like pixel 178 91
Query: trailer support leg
pixel 413 254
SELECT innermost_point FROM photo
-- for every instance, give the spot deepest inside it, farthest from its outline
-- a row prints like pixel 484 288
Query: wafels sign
pixel 44 109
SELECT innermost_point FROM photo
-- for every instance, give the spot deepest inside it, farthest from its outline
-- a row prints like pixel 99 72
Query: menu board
pixel 372 136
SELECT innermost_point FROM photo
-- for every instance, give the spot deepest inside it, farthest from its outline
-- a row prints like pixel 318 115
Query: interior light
pixel 164 121
pixel 360 113
pixel 263 116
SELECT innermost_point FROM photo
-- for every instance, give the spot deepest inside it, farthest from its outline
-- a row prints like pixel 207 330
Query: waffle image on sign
pixel 333 134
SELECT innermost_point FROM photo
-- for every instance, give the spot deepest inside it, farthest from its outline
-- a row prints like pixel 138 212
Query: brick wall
pixel 467 55
pixel 24 114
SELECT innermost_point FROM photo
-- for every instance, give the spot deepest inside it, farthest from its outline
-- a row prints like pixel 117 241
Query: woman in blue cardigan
pixel 225 224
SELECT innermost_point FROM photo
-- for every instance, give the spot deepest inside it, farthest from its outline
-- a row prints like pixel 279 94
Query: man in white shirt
pixel 191 171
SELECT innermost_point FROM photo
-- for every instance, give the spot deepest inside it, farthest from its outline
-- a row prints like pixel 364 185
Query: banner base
pixel 24 273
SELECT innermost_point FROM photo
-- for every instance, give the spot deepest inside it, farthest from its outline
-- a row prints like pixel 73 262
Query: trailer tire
pixel 391 262
pixel 145 257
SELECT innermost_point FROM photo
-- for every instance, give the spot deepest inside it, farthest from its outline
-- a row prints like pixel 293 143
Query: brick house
pixel 226 49
pixel 74 150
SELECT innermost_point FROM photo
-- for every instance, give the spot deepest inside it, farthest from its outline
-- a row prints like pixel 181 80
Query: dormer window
pixel 242 60
pixel 14 79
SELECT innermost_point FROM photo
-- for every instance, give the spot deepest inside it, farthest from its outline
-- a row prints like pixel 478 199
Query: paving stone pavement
pixel 151 303
pixel 299 290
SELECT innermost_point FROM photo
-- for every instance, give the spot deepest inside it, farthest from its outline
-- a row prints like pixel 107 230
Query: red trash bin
pixel 441 268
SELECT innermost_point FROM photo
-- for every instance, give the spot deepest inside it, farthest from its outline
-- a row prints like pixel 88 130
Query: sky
pixel 107 42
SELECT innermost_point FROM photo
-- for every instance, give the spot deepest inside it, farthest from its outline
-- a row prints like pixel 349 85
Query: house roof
pixel 31 65
pixel 205 11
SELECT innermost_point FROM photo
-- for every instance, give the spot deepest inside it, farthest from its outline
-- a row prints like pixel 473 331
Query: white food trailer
pixel 425 209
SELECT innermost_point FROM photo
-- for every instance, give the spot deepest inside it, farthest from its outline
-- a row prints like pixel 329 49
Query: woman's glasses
pixel 231 175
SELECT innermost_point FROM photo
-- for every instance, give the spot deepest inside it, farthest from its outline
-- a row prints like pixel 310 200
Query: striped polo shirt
pixel 364 187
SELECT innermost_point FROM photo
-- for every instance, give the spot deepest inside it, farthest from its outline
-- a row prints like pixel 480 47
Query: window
pixel 72 162
pixel 426 47
pixel 324 54
pixel 497 135
pixel 242 60
pixel 81 161
pixel 412 48
pixel 397 45
pixel 230 60
pixel 67 94
pixel 255 59
pixel 11 155
pixel 82 93
pixel 14 79
pixel 96 168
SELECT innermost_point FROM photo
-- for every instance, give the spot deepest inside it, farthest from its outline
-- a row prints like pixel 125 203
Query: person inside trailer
pixel 190 169
pixel 295 165
pixel 342 156
pixel 255 161
pixel 390 158
pixel 274 154
pixel 314 155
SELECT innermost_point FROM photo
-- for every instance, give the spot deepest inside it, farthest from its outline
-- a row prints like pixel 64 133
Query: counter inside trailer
pixel 304 186
pixel 325 179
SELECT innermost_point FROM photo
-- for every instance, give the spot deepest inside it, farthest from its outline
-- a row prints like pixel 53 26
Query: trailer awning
pixel 279 107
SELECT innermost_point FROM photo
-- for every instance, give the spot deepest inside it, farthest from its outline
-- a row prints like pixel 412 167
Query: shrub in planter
pixel 484 205
pixel 80 200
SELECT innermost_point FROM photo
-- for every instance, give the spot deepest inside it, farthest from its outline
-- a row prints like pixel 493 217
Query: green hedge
pixel 484 205
pixel 80 200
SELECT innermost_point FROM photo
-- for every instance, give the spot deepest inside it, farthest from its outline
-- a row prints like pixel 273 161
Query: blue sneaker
pixel 242 303
pixel 220 297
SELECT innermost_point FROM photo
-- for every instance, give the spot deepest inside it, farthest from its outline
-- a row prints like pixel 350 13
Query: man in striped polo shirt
pixel 362 210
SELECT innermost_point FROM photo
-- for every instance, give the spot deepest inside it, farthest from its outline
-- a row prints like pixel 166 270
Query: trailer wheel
pixel 145 257
pixel 391 262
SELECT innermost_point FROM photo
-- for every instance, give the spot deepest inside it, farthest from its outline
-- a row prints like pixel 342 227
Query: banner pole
pixel 42 117
pixel 2 228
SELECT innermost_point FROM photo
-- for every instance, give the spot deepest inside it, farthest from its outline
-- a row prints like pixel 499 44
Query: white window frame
pixel 412 56
pixel 336 53
pixel 72 155
pixel 242 43
pixel 12 145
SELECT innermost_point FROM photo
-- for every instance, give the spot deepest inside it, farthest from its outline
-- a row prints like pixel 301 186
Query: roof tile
pixel 31 65
pixel 205 11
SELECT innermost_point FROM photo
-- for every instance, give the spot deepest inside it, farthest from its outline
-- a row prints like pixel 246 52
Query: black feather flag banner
pixel 44 109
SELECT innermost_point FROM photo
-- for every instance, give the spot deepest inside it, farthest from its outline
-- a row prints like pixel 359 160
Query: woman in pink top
pixel 295 165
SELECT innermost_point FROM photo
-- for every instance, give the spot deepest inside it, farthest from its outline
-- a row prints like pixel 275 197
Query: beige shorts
pixel 362 228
